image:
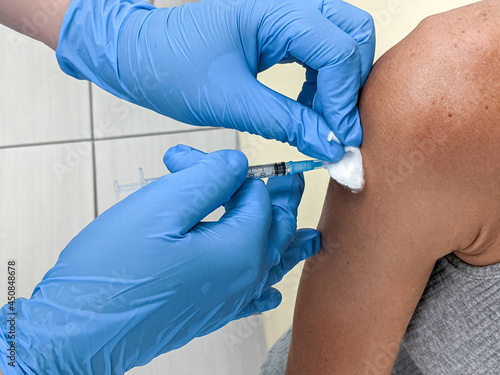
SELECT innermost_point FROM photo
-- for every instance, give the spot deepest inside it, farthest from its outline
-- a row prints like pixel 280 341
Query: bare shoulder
pixel 431 121
pixel 430 115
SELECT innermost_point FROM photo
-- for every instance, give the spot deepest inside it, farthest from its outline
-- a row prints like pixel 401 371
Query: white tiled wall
pixel 39 103
pixel 130 154
pixel 44 203
pixel 62 144
pixel 114 117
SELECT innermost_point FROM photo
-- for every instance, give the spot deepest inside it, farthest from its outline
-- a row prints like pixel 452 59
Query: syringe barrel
pixel 267 170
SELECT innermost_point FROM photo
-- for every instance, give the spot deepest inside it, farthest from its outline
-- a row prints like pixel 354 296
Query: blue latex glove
pixel 198 63
pixel 147 277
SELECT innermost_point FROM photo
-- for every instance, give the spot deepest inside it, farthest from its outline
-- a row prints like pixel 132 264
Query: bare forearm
pixel 40 20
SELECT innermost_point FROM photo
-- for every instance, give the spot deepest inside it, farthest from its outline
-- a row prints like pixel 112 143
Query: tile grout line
pixel 118 137
pixel 238 142
pixel 197 129
pixel 94 162
pixel 22 145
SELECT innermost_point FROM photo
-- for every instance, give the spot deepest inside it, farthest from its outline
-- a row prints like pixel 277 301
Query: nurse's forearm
pixel 38 19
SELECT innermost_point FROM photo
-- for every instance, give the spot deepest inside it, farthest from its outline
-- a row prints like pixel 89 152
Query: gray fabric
pixel 404 364
pixel 275 363
pixel 455 329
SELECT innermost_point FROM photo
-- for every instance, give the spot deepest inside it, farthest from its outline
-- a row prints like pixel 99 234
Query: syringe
pixel 254 172
pixel 283 168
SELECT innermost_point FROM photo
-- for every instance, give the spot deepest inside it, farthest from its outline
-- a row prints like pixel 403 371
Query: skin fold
pixel 431 120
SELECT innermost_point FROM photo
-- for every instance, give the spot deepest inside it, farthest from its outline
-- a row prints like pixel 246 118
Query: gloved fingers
pixel 248 211
pixel 336 99
pixel 318 42
pixel 181 156
pixel 239 238
pixel 309 87
pixel 269 300
pixel 247 217
pixel 285 193
pixel 275 116
pixel 197 190
pixel 359 25
pixel 306 243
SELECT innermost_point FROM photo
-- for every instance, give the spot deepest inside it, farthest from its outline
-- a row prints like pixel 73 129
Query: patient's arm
pixel 431 120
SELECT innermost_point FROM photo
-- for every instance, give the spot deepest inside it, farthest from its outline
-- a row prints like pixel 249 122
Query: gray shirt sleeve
pixel 455 329
pixel 456 326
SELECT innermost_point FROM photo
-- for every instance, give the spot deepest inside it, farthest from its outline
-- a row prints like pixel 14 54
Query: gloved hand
pixel 147 277
pixel 198 63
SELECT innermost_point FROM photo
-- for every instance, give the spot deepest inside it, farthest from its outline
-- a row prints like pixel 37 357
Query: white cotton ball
pixel 348 171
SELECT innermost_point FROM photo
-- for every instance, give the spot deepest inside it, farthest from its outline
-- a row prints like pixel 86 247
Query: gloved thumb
pixel 181 157
pixel 199 184
pixel 269 300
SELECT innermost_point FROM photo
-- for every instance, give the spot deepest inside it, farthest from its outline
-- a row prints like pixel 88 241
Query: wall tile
pixel 46 198
pixel 120 159
pixel 237 349
pixel 38 102
pixel 114 117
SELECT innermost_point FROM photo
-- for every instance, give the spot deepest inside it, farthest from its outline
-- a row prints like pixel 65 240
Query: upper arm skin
pixel 431 120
